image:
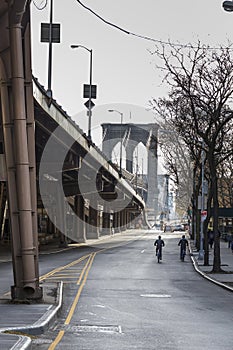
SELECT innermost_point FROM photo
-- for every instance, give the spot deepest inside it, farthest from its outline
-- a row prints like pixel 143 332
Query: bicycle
pixel 159 243
pixel 182 254
pixel 159 255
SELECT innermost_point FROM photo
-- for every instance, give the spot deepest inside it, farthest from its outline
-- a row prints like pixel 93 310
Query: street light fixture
pixel 90 87
pixel 228 6
pixel 121 114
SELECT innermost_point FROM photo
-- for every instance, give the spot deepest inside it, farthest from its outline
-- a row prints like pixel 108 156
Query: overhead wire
pixel 143 36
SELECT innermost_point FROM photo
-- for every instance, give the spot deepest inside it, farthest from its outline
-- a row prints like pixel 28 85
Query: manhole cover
pixel 42 341
pixel 94 328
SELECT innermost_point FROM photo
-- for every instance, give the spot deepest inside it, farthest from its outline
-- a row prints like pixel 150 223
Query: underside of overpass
pixel 50 165
pixel 74 168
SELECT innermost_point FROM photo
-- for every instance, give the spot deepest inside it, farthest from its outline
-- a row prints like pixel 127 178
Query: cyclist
pixel 159 243
pixel 183 244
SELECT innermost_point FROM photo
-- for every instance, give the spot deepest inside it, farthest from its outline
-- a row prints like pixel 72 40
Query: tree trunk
pixel 214 189
pixel 206 244
pixel 206 223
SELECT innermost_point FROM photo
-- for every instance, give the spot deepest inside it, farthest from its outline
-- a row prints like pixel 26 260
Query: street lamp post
pixel 121 114
pixel 90 88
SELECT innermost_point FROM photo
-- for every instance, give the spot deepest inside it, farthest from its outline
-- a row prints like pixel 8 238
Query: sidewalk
pixel 19 320
pixel 225 279
pixel 35 319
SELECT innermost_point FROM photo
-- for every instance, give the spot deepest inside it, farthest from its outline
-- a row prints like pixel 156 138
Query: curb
pixel 39 327
pixel 23 343
pixel 204 275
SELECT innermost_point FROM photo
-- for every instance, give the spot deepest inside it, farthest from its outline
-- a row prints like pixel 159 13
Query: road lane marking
pixel 84 275
pixel 83 271
pixel 86 270
pixel 155 295
pixel 51 273
pixel 57 340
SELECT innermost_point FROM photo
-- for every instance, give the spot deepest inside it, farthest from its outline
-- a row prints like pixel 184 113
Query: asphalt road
pixel 121 298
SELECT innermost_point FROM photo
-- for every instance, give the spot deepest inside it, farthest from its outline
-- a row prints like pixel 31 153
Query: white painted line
pixel 143 251
pixel 156 295
pixel 102 306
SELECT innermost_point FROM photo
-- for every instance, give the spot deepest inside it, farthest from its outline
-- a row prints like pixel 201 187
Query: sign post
pixel 50 33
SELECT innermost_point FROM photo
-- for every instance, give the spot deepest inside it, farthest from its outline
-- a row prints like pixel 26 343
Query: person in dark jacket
pixel 159 243
pixel 210 234
pixel 183 244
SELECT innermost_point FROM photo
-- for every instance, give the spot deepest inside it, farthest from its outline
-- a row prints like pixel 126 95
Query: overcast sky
pixel 123 69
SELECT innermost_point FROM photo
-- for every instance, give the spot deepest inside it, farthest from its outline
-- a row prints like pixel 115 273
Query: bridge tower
pixel 131 135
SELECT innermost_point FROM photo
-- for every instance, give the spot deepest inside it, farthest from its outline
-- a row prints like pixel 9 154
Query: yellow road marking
pixel 83 271
pixel 57 340
pixel 51 273
pixel 86 269
pixel 72 309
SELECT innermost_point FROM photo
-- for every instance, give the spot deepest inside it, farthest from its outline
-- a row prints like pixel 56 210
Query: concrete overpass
pixel 72 171
pixel 50 164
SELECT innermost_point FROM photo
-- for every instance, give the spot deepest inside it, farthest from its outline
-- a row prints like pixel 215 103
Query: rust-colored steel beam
pixel 18 129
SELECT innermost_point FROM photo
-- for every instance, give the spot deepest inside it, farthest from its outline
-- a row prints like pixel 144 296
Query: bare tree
pixel 201 86
pixel 177 163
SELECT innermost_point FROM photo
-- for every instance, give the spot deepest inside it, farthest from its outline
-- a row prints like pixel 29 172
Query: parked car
pixel 167 228
pixel 178 228
pixel 186 226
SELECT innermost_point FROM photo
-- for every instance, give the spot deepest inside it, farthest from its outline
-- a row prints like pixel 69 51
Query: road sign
pixel 45 31
pixel 86 104
pixel 86 91
pixel 203 215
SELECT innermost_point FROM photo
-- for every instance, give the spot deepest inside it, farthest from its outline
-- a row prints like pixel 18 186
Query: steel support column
pixel 80 222
pixel 106 230
pixel 61 214
pixel 31 139
pixel 93 225
pixel 116 222
pixel 122 220
pixel 14 115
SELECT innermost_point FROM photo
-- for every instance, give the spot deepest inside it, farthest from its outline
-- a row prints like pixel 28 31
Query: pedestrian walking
pixel 229 240
pixel 183 243
pixel 232 247
pixel 210 238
